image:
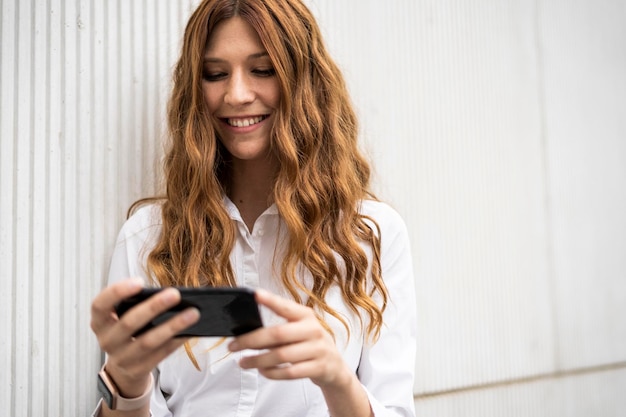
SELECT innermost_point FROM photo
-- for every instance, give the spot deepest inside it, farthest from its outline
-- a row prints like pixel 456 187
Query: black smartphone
pixel 223 311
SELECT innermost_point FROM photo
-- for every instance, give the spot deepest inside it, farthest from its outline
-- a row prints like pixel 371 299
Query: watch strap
pixel 114 400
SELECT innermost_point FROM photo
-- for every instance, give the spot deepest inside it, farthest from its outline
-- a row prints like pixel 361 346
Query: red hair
pixel 321 179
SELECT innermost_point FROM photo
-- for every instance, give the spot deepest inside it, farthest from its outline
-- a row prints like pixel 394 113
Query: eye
pixel 264 72
pixel 213 76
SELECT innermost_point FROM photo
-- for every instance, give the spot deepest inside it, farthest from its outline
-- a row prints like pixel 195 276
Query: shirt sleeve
pixel 387 365
pixel 158 405
pixel 128 260
pixel 134 242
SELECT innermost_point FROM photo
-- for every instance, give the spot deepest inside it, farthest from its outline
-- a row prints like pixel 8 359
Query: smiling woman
pixel 266 189
pixel 241 92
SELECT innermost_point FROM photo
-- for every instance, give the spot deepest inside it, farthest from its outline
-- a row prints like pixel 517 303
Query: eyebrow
pixel 253 56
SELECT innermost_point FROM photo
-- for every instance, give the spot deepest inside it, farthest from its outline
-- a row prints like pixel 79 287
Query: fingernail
pixel 169 294
pixel 233 346
pixel 191 315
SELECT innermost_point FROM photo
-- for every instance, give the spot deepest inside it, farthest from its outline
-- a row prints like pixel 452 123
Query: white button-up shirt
pixel 221 388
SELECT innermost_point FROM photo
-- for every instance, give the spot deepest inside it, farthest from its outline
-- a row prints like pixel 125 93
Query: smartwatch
pixel 112 397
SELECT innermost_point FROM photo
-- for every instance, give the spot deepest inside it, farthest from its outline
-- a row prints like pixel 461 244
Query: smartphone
pixel 227 311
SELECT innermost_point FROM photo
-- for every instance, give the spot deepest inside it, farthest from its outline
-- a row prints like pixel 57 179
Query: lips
pixel 244 121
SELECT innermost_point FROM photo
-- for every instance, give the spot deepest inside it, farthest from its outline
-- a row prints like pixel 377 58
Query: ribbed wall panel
pixel 585 78
pixel 82 88
pixel 496 129
pixel 453 119
pixel 463 111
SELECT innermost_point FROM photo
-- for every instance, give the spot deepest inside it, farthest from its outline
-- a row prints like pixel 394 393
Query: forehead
pixel 232 36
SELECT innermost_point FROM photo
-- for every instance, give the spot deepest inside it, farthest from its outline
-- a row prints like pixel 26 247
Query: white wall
pixel 497 129
pixel 82 89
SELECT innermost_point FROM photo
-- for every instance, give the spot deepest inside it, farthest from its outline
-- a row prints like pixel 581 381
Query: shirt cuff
pixel 379 410
pixel 96 412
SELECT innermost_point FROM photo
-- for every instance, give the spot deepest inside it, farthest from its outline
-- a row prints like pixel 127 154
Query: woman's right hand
pixel 131 359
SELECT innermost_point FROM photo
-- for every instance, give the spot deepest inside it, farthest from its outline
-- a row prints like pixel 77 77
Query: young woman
pixel 266 189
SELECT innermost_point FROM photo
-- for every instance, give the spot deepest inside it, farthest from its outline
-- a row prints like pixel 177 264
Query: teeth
pixel 245 122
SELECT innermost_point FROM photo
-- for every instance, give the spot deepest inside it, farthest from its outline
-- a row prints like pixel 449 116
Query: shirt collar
pixel 234 214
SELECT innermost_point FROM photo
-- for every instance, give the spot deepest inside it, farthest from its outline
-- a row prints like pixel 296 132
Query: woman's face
pixel 240 88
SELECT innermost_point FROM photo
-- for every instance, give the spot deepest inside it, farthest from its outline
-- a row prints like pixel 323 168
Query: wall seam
pixel 62 191
pixel 549 225
pixel 577 372
pixel 14 209
pixel 31 204
pixel 48 218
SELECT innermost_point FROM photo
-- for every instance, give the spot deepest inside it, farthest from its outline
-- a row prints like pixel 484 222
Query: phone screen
pixel 223 311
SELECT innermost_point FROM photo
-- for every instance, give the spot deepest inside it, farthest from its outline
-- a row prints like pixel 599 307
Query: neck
pixel 251 186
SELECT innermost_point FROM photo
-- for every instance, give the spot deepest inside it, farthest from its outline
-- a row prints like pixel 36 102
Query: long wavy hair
pixel 321 179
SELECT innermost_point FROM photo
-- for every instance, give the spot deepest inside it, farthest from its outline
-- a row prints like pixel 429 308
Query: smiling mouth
pixel 245 122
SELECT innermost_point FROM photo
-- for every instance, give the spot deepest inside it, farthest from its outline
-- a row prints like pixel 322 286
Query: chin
pixel 249 154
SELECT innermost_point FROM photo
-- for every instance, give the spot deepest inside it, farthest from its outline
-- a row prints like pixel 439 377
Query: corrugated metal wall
pixel 497 128
pixel 82 88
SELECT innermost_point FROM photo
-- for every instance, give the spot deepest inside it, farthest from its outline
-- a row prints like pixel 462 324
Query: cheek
pixel 272 93
pixel 211 98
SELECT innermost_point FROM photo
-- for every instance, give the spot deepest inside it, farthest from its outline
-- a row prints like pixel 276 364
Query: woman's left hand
pixel 300 348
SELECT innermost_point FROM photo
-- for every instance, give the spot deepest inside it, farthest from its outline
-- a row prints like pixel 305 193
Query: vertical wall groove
pixel 542 108
pixel 63 188
pixel 45 354
pixel 31 208
pixel 14 316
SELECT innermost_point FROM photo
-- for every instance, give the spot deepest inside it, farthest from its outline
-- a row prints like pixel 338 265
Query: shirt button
pixel 260 232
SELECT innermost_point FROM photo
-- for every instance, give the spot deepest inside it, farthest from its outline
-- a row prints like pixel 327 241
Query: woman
pixel 265 188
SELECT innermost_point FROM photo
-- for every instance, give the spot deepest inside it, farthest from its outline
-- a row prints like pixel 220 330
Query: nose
pixel 239 90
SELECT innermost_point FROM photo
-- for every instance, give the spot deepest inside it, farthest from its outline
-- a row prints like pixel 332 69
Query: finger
pixel 104 304
pixel 285 308
pixel 319 361
pixel 162 334
pixel 319 371
pixel 147 350
pixel 271 337
pixel 137 317
pixel 128 370
pixel 290 354
pixel 306 369
pixel 157 356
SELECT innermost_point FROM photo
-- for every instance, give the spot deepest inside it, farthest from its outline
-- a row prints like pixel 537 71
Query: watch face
pixel 107 395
